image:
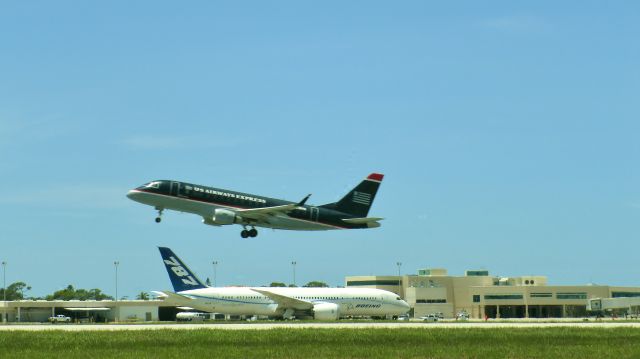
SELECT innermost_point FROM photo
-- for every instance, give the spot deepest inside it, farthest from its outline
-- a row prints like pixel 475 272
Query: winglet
pixel 304 200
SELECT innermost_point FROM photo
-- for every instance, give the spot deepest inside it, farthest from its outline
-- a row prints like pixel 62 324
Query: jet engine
pixel 222 217
pixel 326 311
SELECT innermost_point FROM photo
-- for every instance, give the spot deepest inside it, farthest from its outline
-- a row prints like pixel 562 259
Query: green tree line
pixel 17 291
pixel 312 284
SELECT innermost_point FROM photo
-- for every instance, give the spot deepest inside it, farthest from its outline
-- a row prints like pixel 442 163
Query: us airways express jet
pixel 219 207
pixel 316 303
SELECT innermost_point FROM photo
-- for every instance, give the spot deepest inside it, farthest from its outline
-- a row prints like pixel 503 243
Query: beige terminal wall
pixel 526 296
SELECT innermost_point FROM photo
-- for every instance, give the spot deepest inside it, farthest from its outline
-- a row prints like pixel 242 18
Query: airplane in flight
pixel 219 207
pixel 281 302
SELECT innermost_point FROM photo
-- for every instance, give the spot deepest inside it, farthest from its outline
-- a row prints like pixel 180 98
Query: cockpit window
pixel 398 298
pixel 153 185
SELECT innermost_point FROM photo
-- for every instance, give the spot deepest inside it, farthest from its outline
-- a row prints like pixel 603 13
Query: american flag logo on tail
pixel 361 198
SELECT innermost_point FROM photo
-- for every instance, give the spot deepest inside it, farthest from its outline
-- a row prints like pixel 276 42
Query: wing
pixel 258 213
pixel 262 213
pixel 285 301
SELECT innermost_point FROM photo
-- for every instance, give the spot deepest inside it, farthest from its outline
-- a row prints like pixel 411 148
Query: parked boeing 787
pixel 282 302
pixel 219 207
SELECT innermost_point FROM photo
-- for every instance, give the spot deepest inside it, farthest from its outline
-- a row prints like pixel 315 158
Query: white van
pixel 191 316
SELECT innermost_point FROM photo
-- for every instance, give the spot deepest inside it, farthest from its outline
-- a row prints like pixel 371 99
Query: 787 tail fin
pixel 358 201
pixel 182 278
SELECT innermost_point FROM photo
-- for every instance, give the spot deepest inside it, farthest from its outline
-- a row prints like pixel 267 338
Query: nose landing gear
pixel 159 218
pixel 253 232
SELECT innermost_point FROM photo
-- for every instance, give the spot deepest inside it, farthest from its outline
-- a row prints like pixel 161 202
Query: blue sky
pixel 508 134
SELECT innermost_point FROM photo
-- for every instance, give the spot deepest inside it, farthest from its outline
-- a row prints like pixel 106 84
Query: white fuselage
pixel 245 301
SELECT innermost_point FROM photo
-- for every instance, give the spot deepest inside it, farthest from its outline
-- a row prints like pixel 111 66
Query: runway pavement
pixel 307 325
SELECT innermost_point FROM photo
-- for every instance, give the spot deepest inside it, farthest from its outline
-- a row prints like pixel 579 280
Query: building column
pixel 526 311
pixel 564 310
pixel 19 314
pixel 497 312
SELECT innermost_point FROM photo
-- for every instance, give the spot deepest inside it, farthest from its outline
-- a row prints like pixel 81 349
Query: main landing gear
pixel 249 233
pixel 159 218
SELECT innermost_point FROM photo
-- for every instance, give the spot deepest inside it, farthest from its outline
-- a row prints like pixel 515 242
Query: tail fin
pixel 358 201
pixel 182 278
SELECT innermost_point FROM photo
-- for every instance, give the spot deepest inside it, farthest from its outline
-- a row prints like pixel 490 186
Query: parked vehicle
pixel 191 316
pixel 59 319
pixel 462 315
pixel 430 318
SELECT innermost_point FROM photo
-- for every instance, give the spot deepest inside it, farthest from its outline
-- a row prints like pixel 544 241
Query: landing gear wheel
pixel 159 218
pixel 244 233
pixel 253 232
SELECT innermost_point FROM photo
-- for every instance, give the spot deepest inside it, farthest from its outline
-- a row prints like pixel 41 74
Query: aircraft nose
pixel 131 195
pixel 406 305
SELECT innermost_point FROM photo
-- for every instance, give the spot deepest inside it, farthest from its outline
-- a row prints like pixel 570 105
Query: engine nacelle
pixel 326 311
pixel 222 217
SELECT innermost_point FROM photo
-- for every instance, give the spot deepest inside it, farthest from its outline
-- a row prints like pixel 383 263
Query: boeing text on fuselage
pixel 219 207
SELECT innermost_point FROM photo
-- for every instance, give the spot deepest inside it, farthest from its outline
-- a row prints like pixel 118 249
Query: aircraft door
pixel 314 214
pixel 175 188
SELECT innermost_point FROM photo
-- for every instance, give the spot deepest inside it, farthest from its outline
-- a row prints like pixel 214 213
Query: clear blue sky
pixel 508 133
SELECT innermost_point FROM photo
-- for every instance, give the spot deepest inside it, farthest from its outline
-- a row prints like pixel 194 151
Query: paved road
pixel 264 326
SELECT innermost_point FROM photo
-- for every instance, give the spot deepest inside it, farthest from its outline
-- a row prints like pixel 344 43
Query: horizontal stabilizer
pixel 171 297
pixel 159 295
pixel 362 220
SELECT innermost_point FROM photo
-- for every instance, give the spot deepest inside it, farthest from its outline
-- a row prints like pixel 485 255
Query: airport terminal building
pixel 477 293
pixel 90 311
pixel 484 296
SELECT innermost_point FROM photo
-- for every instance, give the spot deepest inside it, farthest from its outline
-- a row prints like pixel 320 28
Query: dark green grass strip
pixel 327 343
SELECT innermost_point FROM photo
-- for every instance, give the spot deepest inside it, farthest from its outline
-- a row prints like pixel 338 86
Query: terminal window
pixel 541 295
pixel 625 294
pixel 477 273
pixel 571 295
pixel 431 300
pixel 372 282
pixel 502 296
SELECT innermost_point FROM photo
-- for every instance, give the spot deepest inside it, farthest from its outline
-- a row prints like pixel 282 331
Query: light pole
pixel 399 264
pixel 294 272
pixel 215 271
pixel 4 291
pixel 116 264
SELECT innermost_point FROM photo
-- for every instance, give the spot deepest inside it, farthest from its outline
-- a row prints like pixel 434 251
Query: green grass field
pixel 326 343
